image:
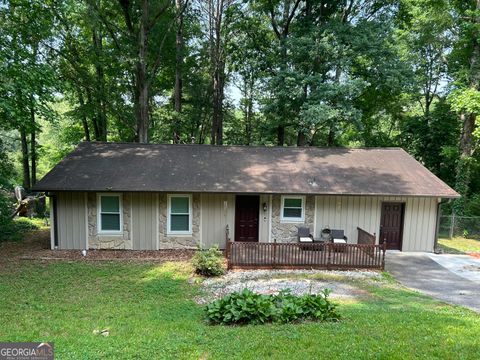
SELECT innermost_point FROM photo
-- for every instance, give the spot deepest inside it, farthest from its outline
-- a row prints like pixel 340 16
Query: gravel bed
pixel 273 281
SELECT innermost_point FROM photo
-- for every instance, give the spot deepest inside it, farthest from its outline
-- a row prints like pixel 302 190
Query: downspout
pixel 53 199
pixel 436 249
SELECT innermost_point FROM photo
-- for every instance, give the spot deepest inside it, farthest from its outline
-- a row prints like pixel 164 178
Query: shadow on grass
pixel 450 250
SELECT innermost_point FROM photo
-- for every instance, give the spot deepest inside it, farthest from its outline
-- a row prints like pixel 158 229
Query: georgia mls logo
pixel 26 351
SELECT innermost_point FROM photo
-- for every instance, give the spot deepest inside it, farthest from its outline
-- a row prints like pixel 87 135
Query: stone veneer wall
pixel 288 232
pixel 179 242
pixel 96 241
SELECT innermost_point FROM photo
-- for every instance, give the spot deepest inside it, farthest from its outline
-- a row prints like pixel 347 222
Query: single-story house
pixel 150 196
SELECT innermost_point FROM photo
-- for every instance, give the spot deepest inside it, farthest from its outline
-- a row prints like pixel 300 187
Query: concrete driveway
pixel 418 271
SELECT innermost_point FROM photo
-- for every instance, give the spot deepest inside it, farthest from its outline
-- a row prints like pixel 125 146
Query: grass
pixel 459 245
pixel 150 313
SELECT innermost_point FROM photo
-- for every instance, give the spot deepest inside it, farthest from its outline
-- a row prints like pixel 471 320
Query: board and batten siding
pixel 71 220
pixel 350 212
pixel 218 211
pixel 145 221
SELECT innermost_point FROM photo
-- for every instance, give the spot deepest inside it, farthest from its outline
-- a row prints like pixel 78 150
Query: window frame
pixel 169 214
pixel 99 214
pixel 284 219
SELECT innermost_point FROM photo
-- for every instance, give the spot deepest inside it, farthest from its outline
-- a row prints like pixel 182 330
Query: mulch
pixel 36 246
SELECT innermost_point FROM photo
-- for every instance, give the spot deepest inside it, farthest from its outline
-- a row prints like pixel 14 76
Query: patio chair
pixel 338 237
pixel 304 235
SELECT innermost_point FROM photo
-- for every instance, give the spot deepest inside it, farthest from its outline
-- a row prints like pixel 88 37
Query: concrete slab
pixel 419 272
pixel 465 266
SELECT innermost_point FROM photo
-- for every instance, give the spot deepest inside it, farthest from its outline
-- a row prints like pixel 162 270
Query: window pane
pixel 111 222
pixel 110 203
pixel 179 222
pixel 179 205
pixel 292 213
pixel 293 203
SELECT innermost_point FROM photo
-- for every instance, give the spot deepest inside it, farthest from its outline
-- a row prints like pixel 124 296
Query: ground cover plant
pixel 247 307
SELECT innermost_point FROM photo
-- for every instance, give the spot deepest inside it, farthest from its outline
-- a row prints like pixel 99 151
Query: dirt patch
pixel 36 246
pixel 476 255
pixel 298 282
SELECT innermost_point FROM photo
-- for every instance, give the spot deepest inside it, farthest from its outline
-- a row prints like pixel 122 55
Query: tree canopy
pixel 263 72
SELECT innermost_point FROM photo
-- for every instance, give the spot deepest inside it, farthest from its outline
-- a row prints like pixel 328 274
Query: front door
pixel 391 225
pixel 246 217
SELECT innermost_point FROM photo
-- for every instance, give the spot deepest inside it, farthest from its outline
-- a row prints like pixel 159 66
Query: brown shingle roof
pixel 100 166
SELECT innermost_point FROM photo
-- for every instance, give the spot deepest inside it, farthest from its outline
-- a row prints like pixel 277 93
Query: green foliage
pixel 247 307
pixel 14 230
pixel 209 262
pixel 465 100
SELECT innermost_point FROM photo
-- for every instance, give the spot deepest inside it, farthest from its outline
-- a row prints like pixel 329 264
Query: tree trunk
pixel 178 70
pixel 248 94
pixel 331 136
pixel 99 92
pixel 463 173
pixel 218 69
pixel 280 135
pixel 86 130
pixel 301 138
pixel 96 129
pixel 33 147
pixel 25 162
pixel 141 81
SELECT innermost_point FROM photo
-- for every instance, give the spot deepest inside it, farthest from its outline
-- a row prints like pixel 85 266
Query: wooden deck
pixel 257 255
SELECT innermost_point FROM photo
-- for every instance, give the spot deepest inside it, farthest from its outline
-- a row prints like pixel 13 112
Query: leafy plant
pixel 247 307
pixel 13 230
pixel 209 262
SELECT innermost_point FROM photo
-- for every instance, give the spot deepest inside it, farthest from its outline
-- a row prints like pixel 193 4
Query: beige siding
pixel 71 220
pixel 348 212
pixel 264 219
pixel 144 221
pixel 218 211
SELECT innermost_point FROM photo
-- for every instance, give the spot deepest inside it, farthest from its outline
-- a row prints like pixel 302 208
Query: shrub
pixel 247 307
pixel 13 230
pixel 208 262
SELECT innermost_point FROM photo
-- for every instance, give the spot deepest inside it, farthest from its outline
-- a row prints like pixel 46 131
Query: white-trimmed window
pixel 293 209
pixel 179 221
pixel 109 209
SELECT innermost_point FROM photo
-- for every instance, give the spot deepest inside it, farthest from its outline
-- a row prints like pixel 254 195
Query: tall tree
pixel 466 98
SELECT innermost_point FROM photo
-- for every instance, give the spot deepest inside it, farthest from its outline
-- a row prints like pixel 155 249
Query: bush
pixel 247 307
pixel 13 230
pixel 209 262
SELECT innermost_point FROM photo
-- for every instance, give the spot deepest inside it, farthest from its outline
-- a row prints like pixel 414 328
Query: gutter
pixel 53 199
pixel 436 249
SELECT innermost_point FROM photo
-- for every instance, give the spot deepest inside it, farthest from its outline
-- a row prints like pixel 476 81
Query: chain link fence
pixel 466 226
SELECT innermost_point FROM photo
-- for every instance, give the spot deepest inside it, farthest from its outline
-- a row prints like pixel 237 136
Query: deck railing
pixel 257 255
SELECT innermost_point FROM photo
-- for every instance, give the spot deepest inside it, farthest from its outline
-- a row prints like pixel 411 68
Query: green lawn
pixel 149 311
pixel 459 245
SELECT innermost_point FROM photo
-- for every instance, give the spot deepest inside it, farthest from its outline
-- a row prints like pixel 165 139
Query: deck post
pixel 384 249
pixel 228 254
pixel 329 255
pixel 274 253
